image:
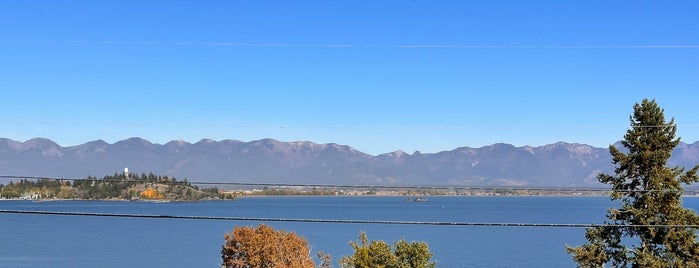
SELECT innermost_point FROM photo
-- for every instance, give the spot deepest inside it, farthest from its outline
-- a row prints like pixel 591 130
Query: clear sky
pixel 379 76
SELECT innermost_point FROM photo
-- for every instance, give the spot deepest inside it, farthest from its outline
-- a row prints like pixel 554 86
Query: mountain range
pixel 270 161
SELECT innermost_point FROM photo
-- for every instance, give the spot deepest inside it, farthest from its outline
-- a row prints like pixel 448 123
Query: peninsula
pixel 124 186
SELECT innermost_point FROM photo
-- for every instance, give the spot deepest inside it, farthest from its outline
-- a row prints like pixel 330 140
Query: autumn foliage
pixel 263 247
pixel 152 194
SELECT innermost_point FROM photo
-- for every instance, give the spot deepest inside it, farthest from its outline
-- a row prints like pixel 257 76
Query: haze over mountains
pixel 554 165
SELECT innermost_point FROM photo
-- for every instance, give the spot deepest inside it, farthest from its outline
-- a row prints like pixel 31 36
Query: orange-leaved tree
pixel 264 247
pixel 152 194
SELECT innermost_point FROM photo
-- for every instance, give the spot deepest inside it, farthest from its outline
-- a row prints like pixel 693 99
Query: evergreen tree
pixel 651 229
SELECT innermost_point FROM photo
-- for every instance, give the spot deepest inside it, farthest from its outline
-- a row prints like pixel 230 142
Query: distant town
pixel 422 191
pixel 127 186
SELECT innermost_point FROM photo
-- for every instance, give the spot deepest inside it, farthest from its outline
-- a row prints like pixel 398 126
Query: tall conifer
pixel 651 228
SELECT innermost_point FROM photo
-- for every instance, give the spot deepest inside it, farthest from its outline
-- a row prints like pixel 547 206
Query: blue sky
pixel 379 76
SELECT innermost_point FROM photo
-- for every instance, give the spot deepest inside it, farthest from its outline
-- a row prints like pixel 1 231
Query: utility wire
pixel 387 222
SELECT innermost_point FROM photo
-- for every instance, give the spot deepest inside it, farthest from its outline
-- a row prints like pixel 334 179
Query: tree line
pixel 264 247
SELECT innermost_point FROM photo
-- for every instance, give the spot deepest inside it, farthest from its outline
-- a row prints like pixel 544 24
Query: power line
pixel 474 224
pixel 334 221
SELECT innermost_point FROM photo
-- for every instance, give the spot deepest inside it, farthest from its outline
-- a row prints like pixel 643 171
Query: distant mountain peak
pixel 11 144
pixel 499 147
pixel 40 142
pixel 134 141
pixel 396 154
pixel 46 147
pixel 210 142
pixel 93 146
pixel 97 143
pixel 270 160
pixel 570 147
pixel 178 143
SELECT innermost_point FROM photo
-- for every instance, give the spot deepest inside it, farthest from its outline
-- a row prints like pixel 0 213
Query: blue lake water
pixel 79 241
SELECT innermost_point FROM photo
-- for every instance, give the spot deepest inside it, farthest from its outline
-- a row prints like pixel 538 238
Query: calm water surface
pixel 71 241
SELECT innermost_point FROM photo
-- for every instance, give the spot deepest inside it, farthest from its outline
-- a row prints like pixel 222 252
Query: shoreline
pixel 311 195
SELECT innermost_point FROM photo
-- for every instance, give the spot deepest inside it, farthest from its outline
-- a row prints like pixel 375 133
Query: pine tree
pixel 651 228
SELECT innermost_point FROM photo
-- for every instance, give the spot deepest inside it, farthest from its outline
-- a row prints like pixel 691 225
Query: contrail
pixel 341 45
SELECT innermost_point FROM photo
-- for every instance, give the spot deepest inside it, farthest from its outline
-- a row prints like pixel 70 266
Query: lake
pixel 80 241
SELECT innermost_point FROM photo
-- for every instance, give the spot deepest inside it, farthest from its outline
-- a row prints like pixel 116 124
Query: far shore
pixel 41 200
